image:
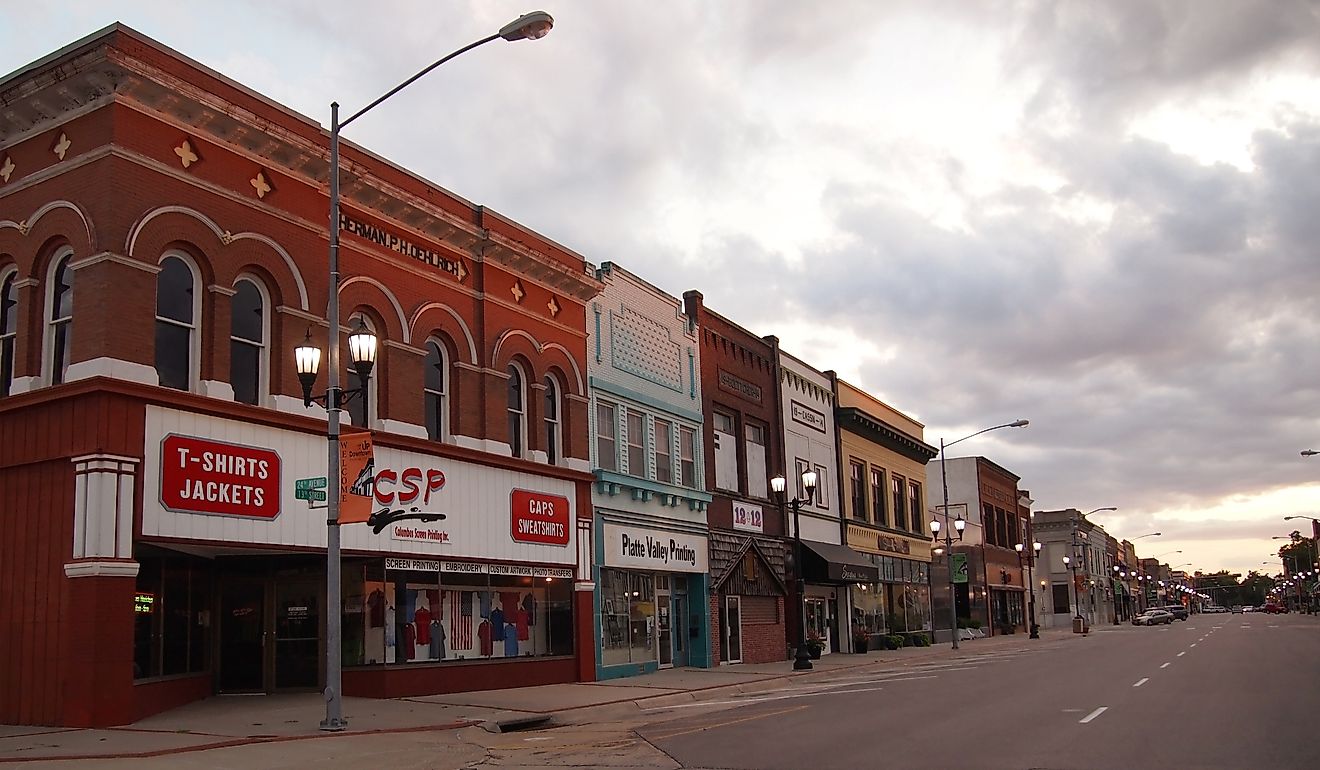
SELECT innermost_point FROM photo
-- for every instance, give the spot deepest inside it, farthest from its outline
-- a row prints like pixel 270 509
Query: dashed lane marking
pixel 1166 665
pixel 1182 653
pixel 1093 715
pixel 1141 681
pixel 1193 644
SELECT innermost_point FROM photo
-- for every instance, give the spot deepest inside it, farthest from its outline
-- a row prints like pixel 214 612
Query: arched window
pixel 362 408
pixel 517 411
pixel 435 381
pixel 59 318
pixel 8 330
pixel 551 417
pixel 176 323
pixel 247 342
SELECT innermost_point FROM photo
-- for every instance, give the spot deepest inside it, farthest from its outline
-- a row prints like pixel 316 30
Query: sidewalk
pixel 225 721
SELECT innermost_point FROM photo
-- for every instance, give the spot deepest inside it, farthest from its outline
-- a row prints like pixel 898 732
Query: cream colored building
pixel 882 468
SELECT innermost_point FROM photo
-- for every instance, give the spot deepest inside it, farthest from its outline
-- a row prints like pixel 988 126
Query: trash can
pixel 1079 625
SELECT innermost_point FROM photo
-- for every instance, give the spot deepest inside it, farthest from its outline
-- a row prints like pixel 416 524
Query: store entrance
pixel 269 633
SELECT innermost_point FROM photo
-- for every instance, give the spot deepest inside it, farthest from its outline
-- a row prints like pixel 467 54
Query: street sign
pixel 316 495
pixel 958 563
pixel 316 482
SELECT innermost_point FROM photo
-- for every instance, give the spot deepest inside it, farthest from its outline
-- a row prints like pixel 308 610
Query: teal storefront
pixel 652 597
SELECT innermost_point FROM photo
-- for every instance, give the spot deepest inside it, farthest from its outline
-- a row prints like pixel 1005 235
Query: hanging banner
pixel 357 473
pixel 958 563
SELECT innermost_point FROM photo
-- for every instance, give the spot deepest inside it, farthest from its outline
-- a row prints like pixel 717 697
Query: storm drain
pixel 515 724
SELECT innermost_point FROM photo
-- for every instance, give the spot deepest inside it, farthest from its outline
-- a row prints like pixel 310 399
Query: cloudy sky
pixel 1102 217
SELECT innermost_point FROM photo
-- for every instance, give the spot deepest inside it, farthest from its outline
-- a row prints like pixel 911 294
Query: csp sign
pixel 958 563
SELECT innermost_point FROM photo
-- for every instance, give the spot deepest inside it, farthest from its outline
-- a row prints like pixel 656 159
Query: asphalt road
pixel 1216 691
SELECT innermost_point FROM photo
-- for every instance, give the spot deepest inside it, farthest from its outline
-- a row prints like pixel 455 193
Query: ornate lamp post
pixel 1031 584
pixel 526 27
pixel 801 657
pixel 934 526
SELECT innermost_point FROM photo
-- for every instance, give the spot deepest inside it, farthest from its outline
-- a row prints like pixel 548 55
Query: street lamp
pixel 362 347
pixel 1031 597
pixel 1309 453
pixel 959 524
pixel 944 479
pixel 1077 607
pixel 802 657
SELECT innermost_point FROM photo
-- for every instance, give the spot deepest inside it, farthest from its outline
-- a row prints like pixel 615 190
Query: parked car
pixel 1153 618
pixel 1237 609
pixel 1178 611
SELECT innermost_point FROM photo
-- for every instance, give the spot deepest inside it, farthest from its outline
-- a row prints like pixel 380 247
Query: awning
pixel 837 564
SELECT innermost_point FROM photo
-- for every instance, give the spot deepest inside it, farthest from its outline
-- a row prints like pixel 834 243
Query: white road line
pixel 1182 654
pixel 1166 665
pixel 1142 681
pixel 1093 715
pixel 1193 644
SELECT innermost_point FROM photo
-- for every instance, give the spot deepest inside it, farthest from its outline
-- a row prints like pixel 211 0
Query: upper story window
pixel 607 436
pixel 757 469
pixel 176 323
pixel 435 390
pixel 247 342
pixel 664 451
pixel 517 411
pixel 726 451
pixel 362 409
pixel 59 318
pixel 551 417
pixel 857 489
pixel 687 456
pixel 822 487
pixel 8 330
pixel 878 497
pixel 914 505
pixel 899 487
pixel 636 444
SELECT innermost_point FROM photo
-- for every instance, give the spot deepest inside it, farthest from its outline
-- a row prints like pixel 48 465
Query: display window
pixel 171 617
pixel 627 617
pixel 421 615
pixel 868 608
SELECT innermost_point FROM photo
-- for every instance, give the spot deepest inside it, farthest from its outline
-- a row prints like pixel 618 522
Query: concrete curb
pixel 233 742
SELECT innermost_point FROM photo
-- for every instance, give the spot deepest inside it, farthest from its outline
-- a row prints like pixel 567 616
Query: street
pixel 1216 691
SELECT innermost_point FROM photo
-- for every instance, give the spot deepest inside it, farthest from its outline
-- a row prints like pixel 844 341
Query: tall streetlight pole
pixel 801 657
pixel 934 525
pixel 1068 564
pixel 1031 584
pixel 526 27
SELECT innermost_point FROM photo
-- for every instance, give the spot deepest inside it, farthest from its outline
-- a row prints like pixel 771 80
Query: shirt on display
pixel 510 641
pixel 437 640
pixel 423 621
pixel 487 643
pixel 376 609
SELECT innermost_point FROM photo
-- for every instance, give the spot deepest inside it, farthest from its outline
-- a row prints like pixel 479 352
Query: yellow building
pixel 882 461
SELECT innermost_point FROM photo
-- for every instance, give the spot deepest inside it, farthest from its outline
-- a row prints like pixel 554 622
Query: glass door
pixel 732 650
pixel 297 635
pixel 818 621
pixel 242 637
pixel 680 630
pixel 665 632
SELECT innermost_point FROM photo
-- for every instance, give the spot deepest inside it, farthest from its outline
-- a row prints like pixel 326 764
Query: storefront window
pixel 627 617
pixel 418 616
pixel 868 607
pixel 171 618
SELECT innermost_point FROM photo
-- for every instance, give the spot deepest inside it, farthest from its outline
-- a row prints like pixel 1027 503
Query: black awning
pixel 831 563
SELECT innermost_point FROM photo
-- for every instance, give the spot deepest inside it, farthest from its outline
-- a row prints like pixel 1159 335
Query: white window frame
pixel 641 446
pixel 723 447
pixel 54 372
pixel 613 435
pixel 263 355
pixel 553 423
pixel 194 330
pixel 690 447
pixel 442 411
pixel 518 448
pixel 368 396
pixel 663 459
pixel 758 478
pixel 9 276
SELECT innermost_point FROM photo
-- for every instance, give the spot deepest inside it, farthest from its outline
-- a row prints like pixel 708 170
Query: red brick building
pixel 740 406
pixel 163 240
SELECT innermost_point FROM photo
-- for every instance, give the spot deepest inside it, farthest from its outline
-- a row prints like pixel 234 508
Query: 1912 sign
pixel 748 517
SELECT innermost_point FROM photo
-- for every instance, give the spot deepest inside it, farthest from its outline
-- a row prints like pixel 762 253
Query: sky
pixel 1103 217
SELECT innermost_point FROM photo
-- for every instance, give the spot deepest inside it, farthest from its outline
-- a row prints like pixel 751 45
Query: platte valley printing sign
pixel 654 549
